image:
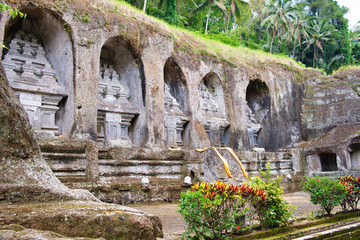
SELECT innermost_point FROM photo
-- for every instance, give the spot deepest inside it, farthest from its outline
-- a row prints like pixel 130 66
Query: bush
pixel 324 191
pixel 275 211
pixel 352 196
pixel 212 209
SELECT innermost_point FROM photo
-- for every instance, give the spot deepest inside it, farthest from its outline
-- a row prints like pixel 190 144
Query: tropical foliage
pixel 276 211
pixel 324 191
pixel 213 210
pixel 352 196
pixel 314 32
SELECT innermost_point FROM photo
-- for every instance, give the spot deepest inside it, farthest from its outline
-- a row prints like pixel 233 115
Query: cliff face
pixel 105 72
pixel 216 88
pixel 331 101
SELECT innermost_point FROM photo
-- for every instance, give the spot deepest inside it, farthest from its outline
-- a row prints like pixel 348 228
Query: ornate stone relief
pixel 253 127
pixel 175 120
pixel 34 81
pixel 115 111
pixel 214 122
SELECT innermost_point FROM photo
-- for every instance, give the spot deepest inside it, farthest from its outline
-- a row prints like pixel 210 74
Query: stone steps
pixel 331 227
pixel 329 230
pixel 170 169
pixel 68 163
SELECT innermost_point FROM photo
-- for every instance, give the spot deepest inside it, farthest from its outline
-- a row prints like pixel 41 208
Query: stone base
pixel 119 143
pixel 45 134
pixel 83 219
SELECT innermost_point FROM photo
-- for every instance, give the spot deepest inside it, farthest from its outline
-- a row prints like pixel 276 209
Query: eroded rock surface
pixel 83 219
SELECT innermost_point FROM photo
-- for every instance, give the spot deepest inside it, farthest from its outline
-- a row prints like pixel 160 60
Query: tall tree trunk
pixel 208 17
pixel 144 9
pixel 227 26
pixel 293 52
pixel 314 55
pixel 271 45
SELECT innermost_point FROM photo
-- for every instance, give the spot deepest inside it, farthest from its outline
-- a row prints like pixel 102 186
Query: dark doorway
pixel 328 162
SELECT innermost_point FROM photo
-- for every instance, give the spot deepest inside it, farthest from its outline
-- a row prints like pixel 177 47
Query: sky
pixel 353 13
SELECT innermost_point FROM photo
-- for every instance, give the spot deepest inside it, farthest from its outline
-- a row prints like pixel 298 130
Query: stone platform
pixel 77 219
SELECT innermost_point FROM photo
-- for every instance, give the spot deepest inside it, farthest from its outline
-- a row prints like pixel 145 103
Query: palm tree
pixel 209 3
pixel 234 10
pixel 354 37
pixel 301 31
pixel 319 33
pixel 279 18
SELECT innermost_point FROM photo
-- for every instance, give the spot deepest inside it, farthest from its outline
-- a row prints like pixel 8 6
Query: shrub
pixel 275 211
pixel 352 196
pixel 324 191
pixel 212 209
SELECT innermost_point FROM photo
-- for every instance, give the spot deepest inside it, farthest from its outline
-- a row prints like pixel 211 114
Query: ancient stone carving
pixel 34 81
pixel 175 120
pixel 253 127
pixel 115 112
pixel 213 121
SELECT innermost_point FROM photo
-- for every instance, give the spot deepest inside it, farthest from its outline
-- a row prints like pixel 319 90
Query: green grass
pixel 195 41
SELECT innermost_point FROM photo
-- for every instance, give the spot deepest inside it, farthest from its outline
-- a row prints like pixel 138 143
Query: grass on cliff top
pixel 346 69
pixel 195 41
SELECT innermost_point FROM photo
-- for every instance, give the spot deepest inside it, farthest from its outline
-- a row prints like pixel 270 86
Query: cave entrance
pixel 328 162
pixel 120 118
pixel 258 114
pixel 176 109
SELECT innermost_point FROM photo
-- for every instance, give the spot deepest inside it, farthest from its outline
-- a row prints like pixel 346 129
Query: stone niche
pixel 176 108
pixel 213 110
pixel 119 96
pixel 39 64
pixel 258 113
pixel 34 81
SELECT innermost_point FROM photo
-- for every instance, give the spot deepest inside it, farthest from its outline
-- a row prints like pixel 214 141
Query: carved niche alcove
pixel 212 107
pixel 258 113
pixel 176 106
pixel 34 81
pixel 118 95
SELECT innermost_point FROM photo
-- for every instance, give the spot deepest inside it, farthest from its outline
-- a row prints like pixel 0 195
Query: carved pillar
pixel 48 110
pixel 101 128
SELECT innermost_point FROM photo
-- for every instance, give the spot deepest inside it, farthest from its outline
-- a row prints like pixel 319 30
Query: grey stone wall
pixel 76 51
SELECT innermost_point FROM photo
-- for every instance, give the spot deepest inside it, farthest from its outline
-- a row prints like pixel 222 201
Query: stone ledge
pixel 83 219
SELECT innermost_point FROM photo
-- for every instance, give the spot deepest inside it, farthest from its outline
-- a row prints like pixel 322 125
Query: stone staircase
pixel 67 160
pixel 169 169
pixel 121 172
pixel 338 226
pixel 115 174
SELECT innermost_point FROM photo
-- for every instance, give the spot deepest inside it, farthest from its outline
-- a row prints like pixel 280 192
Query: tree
pixel 301 31
pixel 209 3
pixel 279 18
pixel 319 33
pixel 170 11
pixel 234 11
pixel 144 9
pixel 339 43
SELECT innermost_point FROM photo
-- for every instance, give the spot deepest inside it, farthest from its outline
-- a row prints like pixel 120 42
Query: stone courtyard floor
pixel 174 225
